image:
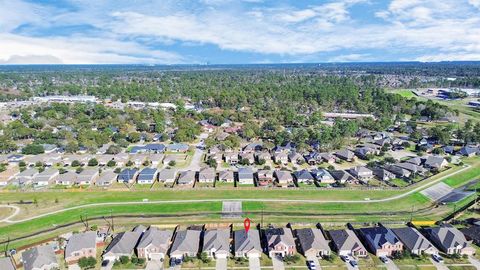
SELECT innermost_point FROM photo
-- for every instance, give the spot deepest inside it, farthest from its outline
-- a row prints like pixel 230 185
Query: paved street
pixel 221 264
pixel 278 264
pixel 475 262
pixel 439 266
pixel 154 265
pixel 254 263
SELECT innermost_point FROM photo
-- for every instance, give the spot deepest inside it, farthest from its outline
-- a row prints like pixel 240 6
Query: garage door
pixel 156 256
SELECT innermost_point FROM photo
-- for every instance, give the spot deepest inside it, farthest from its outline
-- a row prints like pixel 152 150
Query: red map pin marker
pixel 246 224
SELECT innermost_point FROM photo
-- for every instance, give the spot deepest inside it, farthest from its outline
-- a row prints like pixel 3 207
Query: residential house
pixel 417 170
pixel 186 243
pixel 323 176
pixel 284 178
pixel 25 177
pixel 365 152
pixel 435 163
pixel 154 244
pixel 106 178
pixel 383 174
pixel 45 178
pixel 399 172
pixel 147 176
pixel 449 240
pixel 226 176
pixel 123 244
pixel 265 177
pixel 148 148
pixel 40 258
pixel 381 241
pixel 468 151
pixel 414 241
pixel 127 176
pixel 66 179
pixel 346 243
pixel 186 178
pixel 262 156
pixel 231 158
pixel 280 158
pixel 207 175
pixel 247 244
pixel 280 242
pixel 216 243
pixel 247 158
pixel 346 155
pixel 362 173
pixel 87 176
pixel 167 175
pixel 177 147
pixel 472 233
pixel 253 147
pixel 449 149
pixel 304 176
pixel 81 245
pixel 415 160
pixel 312 243
pixel 328 158
pixel 296 158
pixel 6 263
pixel 245 176
pixel 7 175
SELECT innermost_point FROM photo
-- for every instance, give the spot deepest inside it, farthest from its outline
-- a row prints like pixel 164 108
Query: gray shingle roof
pixel 412 239
pixel 157 238
pixel 279 235
pixel 217 239
pixel 312 239
pixel 346 240
pixel 123 243
pixel 38 257
pixel 167 174
pixel 245 242
pixel 447 236
pixel 147 174
pixel 187 241
pixel 80 241
pixel 378 236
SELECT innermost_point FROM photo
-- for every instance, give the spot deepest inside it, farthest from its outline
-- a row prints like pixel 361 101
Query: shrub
pixel 124 259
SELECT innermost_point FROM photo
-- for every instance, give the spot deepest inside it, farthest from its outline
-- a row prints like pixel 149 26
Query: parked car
pixel 437 258
pixel 345 258
pixel 353 263
pixel 383 259
pixel 105 263
pixel 311 265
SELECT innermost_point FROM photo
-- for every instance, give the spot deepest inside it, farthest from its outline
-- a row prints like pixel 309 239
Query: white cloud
pixel 79 50
pixel 475 3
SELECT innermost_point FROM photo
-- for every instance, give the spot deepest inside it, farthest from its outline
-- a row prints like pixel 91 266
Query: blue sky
pixel 237 31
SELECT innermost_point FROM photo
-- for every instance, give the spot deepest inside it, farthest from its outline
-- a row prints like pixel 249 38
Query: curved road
pixel 16 208
pixel 396 197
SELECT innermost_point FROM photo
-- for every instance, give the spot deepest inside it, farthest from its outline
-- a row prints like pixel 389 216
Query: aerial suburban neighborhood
pixel 240 135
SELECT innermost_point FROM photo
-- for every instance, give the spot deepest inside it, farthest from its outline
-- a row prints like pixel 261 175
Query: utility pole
pixel 111 217
pixel 411 214
pixel 261 220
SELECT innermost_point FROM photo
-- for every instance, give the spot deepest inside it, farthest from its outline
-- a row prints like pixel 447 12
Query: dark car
pixel 105 263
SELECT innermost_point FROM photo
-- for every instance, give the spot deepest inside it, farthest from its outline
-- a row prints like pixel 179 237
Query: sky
pixel 237 31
